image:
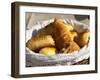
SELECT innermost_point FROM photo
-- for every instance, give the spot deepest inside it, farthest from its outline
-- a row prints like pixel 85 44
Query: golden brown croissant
pixel 63 34
pixel 40 41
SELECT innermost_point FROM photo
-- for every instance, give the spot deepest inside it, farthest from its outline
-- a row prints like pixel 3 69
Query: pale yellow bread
pixel 48 51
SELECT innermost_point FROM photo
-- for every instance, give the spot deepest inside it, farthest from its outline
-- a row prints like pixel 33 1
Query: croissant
pixel 63 34
pixel 40 41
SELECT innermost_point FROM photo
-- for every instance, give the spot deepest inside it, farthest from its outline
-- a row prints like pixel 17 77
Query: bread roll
pixel 83 38
pixel 48 51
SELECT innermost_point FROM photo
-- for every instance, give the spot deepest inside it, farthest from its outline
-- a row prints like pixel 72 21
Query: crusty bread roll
pixel 40 41
pixel 48 51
